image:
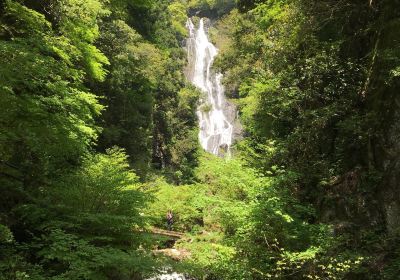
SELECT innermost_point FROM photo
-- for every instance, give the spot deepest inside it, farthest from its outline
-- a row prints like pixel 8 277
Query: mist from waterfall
pixel 216 128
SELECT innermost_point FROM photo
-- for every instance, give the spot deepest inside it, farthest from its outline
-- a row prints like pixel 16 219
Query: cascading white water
pixel 216 129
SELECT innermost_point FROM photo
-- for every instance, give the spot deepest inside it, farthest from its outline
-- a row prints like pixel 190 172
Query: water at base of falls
pixel 214 112
pixel 170 276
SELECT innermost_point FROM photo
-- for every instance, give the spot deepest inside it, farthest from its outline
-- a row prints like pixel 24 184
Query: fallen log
pixel 169 233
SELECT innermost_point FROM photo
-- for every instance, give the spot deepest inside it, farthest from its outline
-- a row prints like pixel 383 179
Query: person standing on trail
pixel 170 220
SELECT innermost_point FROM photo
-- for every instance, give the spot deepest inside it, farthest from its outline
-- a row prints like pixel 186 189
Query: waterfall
pixel 214 112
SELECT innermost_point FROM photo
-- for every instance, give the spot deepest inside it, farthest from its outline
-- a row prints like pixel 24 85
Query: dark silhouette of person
pixel 170 219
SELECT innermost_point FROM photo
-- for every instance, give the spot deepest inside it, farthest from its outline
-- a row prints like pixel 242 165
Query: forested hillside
pixel 78 79
pixel 99 140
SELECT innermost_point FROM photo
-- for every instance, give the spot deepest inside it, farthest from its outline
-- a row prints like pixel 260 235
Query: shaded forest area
pixel 98 140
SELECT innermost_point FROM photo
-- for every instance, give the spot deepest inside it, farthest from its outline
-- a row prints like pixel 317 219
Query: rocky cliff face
pixel 387 157
pixel 385 101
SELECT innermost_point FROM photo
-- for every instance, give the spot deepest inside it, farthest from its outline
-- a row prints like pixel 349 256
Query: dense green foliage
pixel 74 73
pixel 143 87
pixel 244 225
pixel 317 83
pixel 98 140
